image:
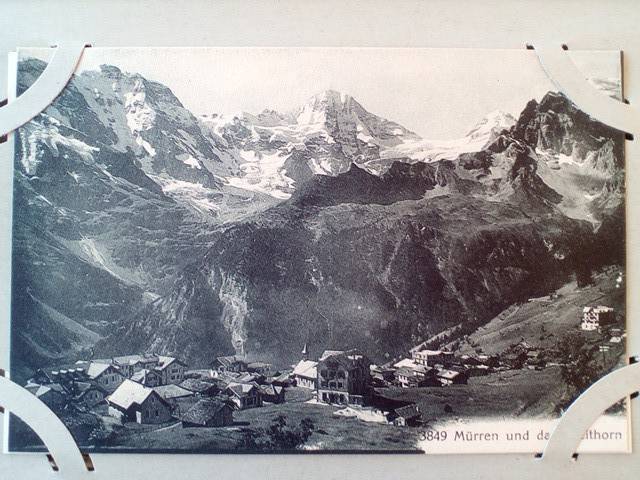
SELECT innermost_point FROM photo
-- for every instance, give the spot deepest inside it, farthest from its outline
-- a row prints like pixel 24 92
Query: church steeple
pixel 305 352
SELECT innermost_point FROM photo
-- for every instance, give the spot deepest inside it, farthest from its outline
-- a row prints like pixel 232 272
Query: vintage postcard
pixel 317 249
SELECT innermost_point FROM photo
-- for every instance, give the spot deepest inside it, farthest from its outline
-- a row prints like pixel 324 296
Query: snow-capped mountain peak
pixel 481 135
pixel 491 125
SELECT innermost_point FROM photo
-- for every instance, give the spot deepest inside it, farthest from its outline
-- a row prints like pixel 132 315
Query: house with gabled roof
pixel 247 377
pixel 343 377
pixel 132 402
pixel 382 373
pixel 406 416
pixel 148 378
pixel 305 374
pixel 595 317
pixel 283 380
pixel 208 412
pixel 201 387
pixel 419 376
pixel 229 363
pixel 105 375
pixel 171 392
pixel 244 395
pixel 129 364
pixel 260 368
pixel 64 375
pixel 405 362
pixel 53 395
pixel 272 393
pixel 171 369
pixel 451 377
pixel 89 394
pixel 429 358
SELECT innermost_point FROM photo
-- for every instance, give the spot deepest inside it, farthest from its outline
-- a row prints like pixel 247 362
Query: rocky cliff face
pixel 102 224
pixel 556 124
pixel 343 271
pixel 139 227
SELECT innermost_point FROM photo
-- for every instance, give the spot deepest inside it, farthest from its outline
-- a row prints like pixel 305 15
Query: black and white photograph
pixel 277 250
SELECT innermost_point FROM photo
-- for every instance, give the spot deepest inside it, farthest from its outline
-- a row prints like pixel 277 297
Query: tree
pixel 278 436
pixel 249 440
pixel 583 276
pixel 578 369
pixel 102 435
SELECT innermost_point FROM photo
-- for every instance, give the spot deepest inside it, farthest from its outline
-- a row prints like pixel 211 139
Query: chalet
pixel 382 373
pixel 132 402
pixel 406 416
pixel 272 393
pixel 427 357
pixel 65 375
pixel 451 377
pixel 593 318
pixel 171 392
pixel 244 395
pixel 106 376
pixel 515 358
pixel 129 364
pixel 200 388
pixel 247 377
pixel 282 380
pixel 469 360
pixel 535 359
pixel 406 377
pixel 418 376
pixel 148 378
pixel 52 395
pixel 208 412
pixel 89 394
pixel 260 368
pixel 170 369
pixel 229 363
pixel 343 377
pixel 488 360
pixel 305 374
pixel 42 377
pixel 405 362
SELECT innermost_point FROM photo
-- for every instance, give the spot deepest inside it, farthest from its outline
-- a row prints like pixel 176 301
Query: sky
pixel 437 93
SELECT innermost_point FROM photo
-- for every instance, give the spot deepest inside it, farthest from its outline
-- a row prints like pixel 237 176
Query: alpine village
pixel 139 395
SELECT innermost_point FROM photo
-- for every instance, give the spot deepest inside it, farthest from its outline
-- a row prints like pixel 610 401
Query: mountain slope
pixel 371 275
pixel 377 261
pixel 139 227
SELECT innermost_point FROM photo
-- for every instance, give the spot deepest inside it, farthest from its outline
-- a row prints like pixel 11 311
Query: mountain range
pixel 141 227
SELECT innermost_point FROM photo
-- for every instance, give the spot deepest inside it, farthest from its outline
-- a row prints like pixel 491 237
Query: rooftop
pixel 141 375
pixel 171 391
pixel 197 385
pixel 96 369
pixel 230 359
pixel 306 368
pixel 271 389
pixel 136 358
pixel 448 374
pixel 408 411
pixel 128 393
pixel 240 389
pixel 203 410
pixel 405 362
pixel 165 361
